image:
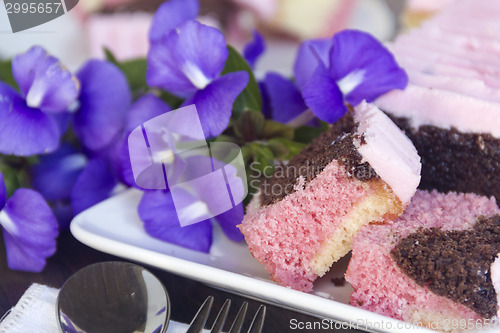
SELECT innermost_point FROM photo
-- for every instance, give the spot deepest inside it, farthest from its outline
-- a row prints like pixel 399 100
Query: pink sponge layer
pixel 286 235
pixel 380 286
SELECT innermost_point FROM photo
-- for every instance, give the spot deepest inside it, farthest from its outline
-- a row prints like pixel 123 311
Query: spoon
pixel 113 297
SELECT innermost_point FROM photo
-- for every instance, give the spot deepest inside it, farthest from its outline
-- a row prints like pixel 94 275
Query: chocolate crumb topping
pixel 456 161
pixel 455 264
pixel 334 144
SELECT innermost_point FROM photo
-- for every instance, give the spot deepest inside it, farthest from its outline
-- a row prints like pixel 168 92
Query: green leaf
pixel 249 125
pixel 274 129
pixel 6 73
pixel 247 153
pixel 285 149
pixel 306 134
pixel 250 98
pixel 279 148
pixel 263 159
pixel 135 71
pixel 172 100
pixel 11 178
pixel 110 56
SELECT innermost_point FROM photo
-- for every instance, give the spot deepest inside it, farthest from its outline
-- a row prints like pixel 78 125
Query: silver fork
pixel 201 317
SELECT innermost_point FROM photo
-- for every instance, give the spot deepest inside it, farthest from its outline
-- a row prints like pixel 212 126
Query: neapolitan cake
pixel 362 170
pixel 432 265
pixel 451 108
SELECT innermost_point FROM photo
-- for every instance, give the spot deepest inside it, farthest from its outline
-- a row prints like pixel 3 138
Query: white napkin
pixel 36 312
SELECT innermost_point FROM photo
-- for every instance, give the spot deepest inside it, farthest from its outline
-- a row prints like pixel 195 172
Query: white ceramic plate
pixel 113 226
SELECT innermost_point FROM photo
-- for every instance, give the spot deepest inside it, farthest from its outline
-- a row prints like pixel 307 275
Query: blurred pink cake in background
pixel 362 170
pixel 431 265
pixel 302 19
pixel 125 34
pixel 417 11
pixel 122 26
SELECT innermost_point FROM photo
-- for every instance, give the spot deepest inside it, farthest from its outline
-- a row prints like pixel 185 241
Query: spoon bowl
pixel 113 297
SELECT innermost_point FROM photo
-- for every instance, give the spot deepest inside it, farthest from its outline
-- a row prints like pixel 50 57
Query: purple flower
pixel 43 81
pixel 104 99
pixel 254 49
pixel 145 108
pixel 94 184
pixel 54 177
pixel 282 97
pixel 3 192
pixel 285 99
pixel 188 62
pixel 56 173
pixel 159 214
pixel 310 53
pixel 198 197
pixel 359 68
pixel 170 14
pixel 29 229
pixel 27 125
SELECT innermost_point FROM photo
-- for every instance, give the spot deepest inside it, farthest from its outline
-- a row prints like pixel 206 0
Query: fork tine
pixel 240 317
pixel 201 317
pixel 258 320
pixel 221 317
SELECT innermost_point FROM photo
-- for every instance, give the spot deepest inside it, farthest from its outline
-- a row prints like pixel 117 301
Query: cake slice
pixel 457 136
pixel 432 265
pixel 451 108
pixel 362 170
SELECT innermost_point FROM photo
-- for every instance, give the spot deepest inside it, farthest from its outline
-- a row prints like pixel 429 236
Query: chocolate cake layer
pixel 334 144
pixel 454 264
pixel 456 161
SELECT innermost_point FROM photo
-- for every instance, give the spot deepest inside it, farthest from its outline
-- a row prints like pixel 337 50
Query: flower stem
pixel 301 119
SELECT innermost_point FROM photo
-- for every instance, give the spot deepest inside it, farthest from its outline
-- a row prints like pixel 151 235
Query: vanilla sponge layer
pixel 382 204
pixel 299 237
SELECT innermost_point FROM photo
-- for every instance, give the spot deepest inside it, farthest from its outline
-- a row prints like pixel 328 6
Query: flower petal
pixel 215 102
pixel 104 99
pixel 63 212
pixel 63 120
pixel 158 213
pixel 363 67
pixel 307 61
pixel 3 192
pixel 44 82
pixel 254 49
pixel 112 155
pixel 229 220
pixel 24 131
pixel 170 14
pixel 94 184
pixel 145 108
pixel 126 175
pixel 266 102
pixel 323 96
pixel 213 192
pixel 64 165
pixel 29 230
pixel 285 99
pixel 179 62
